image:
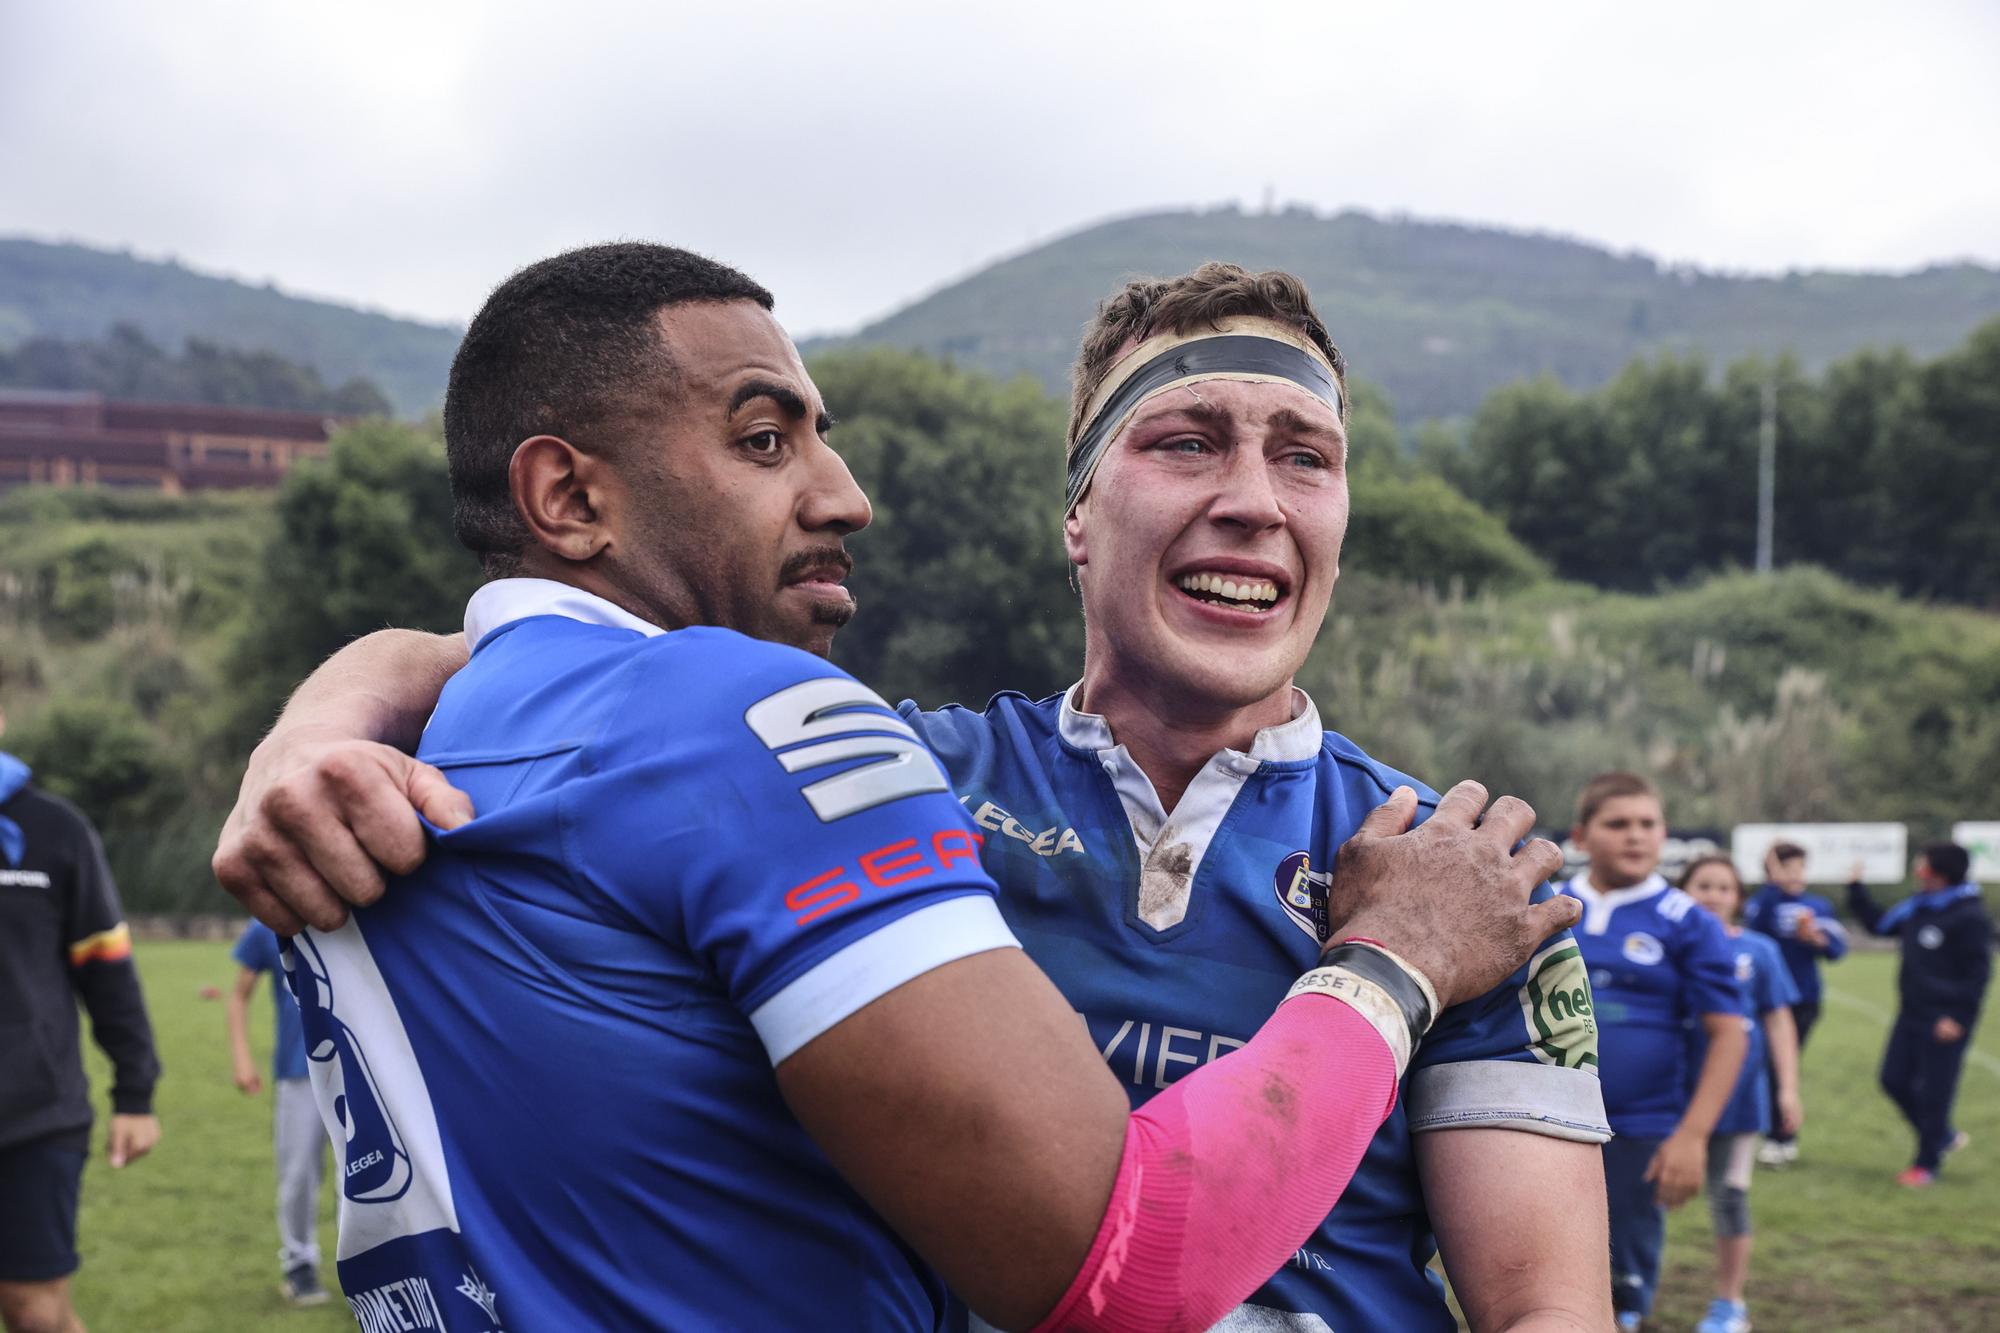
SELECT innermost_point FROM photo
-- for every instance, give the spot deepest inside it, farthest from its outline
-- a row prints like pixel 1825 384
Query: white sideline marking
pixel 1883 1017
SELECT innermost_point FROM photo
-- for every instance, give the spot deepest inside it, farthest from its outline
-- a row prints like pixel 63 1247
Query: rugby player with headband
pixel 1163 834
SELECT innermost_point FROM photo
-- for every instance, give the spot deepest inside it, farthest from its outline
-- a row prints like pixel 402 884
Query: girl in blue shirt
pixel 1768 994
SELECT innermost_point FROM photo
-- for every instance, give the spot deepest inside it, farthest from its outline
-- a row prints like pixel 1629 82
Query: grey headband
pixel 1199 358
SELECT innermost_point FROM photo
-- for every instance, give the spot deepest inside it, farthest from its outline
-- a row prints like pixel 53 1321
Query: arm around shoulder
pixel 330 799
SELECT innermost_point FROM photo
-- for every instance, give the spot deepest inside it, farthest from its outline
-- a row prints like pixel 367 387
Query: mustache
pixel 800 563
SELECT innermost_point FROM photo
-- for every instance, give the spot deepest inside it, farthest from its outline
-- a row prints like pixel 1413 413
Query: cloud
pixel 409 156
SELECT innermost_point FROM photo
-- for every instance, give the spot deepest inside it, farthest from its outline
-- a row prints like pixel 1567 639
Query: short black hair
pixel 1787 851
pixel 1948 861
pixel 559 347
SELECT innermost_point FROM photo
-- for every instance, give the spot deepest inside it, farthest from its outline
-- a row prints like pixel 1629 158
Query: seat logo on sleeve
pixel 834 720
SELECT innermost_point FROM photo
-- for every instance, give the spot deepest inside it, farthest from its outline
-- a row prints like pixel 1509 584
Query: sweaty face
pixel 1209 540
pixel 1714 887
pixel 734 507
pixel 1623 840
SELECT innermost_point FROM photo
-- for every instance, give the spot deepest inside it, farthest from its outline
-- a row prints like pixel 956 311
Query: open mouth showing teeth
pixel 1236 594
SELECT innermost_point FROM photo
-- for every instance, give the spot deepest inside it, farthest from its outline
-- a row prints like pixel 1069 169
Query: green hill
pixel 1441 314
pixel 74 292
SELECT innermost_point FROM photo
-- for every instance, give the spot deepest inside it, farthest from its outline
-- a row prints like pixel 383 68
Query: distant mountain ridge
pixel 1440 314
pixel 76 292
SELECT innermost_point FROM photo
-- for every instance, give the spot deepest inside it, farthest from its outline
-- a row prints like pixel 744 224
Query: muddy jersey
pixel 1175 936
pixel 546 1058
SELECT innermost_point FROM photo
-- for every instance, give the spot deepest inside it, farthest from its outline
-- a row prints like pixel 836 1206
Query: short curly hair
pixel 561 347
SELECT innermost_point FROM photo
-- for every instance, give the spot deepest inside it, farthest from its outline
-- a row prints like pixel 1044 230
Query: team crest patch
pixel 1303 892
pixel 1643 949
pixel 1746 967
pixel 1930 937
pixel 1555 1003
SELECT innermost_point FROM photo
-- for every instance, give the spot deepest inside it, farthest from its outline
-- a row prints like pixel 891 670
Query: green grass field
pixel 185 1241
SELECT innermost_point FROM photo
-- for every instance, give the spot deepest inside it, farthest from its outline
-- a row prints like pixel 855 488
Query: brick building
pixel 85 439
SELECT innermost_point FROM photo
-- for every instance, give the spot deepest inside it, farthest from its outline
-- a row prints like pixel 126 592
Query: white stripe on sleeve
pixel 876 964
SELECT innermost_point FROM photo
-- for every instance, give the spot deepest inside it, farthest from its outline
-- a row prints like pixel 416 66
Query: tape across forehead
pixel 1242 348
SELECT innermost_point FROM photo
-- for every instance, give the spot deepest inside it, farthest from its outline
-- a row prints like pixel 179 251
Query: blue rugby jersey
pixel 547 1057
pixel 1773 912
pixel 1764 984
pixel 1658 960
pixel 1174 936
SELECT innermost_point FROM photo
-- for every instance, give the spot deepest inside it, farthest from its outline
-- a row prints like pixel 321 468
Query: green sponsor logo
pixel 1555 1003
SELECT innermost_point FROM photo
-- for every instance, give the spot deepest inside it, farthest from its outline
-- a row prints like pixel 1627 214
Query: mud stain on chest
pixel 1165 881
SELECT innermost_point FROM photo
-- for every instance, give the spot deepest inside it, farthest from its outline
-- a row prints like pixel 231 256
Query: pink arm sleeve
pixel 1197 1219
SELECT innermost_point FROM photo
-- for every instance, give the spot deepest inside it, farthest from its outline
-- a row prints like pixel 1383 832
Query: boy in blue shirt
pixel 298 1139
pixel 1767 996
pixel 1658 963
pixel 1807 931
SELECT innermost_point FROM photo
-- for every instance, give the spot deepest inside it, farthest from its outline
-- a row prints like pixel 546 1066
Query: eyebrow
pixel 786 397
pixel 1285 419
pixel 1298 423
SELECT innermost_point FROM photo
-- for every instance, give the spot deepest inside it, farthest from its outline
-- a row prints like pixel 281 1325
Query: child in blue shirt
pixel 298 1135
pixel 1807 933
pixel 1658 964
pixel 1768 994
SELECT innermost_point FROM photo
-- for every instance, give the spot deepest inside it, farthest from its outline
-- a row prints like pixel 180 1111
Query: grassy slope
pixel 184 1242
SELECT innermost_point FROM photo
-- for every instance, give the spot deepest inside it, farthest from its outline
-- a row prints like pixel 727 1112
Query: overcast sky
pixel 407 155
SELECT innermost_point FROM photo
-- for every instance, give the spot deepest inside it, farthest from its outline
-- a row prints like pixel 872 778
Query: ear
pixel 559 492
pixel 1075 544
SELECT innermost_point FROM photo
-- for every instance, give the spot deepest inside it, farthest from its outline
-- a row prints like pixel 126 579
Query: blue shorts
pixel 39 1183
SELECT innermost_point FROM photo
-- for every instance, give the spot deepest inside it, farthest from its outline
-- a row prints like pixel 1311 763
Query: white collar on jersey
pixel 504 601
pixel 1599 904
pixel 1297 739
pixel 1171 848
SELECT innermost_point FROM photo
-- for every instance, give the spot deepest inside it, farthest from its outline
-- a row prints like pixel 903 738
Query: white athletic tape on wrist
pixel 1366 998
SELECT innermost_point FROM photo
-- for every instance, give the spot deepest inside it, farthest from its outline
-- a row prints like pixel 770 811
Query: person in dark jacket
pixel 62 937
pixel 1947 961
pixel 1807 932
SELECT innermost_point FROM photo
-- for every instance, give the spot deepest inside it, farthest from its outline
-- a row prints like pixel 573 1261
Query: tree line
pixel 1885 470
pixel 126 364
pixel 147 641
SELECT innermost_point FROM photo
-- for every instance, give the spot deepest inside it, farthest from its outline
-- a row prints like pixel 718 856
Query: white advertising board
pixel 1983 841
pixel 1831 850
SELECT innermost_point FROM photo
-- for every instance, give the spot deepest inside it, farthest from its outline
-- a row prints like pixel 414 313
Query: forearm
pixel 1782 1034
pixel 1194 1224
pixel 382 687
pixel 118 1023
pixel 239 1035
pixel 1727 1045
